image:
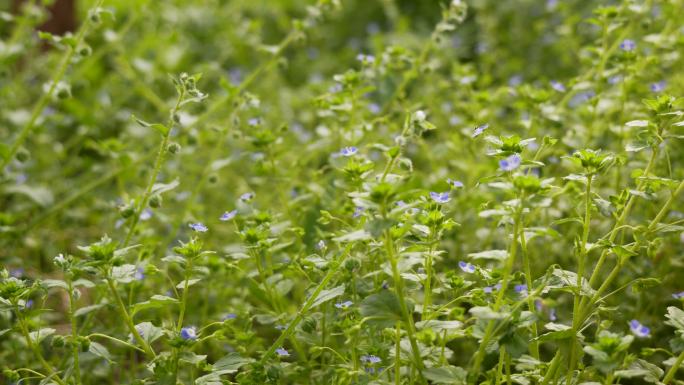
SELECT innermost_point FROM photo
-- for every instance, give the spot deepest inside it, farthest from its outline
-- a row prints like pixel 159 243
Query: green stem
pixel 399 288
pixel 128 320
pixel 534 344
pixel 508 269
pixel 45 97
pixel 673 370
pixel 305 308
pixel 580 276
pixel 36 351
pixel 74 332
pixel 157 168
pixel 553 368
pixel 427 296
pixel 397 354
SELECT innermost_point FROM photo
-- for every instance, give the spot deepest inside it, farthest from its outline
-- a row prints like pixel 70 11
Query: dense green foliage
pixel 343 192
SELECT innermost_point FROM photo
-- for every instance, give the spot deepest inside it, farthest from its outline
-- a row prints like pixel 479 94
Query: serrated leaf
pixel 156 301
pixel 230 363
pixel 497 255
pixel 41 334
pixel 160 188
pixel 100 351
pixel 446 375
pixel 327 295
pixel 382 308
pixel 124 273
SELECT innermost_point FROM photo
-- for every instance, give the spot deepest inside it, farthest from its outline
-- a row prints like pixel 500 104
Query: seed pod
pixel 155 201
pixel 23 155
pixel 174 148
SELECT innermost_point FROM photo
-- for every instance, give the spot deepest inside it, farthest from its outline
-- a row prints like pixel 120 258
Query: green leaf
pixel 497 255
pixel 41 334
pixel 643 369
pixel 486 313
pixel 327 295
pixel 149 332
pixel 359 235
pixel 559 332
pixel 100 351
pixel 157 126
pixel 124 273
pixel 446 375
pixel 439 326
pixel 87 309
pixel 382 308
pixel 156 301
pixel 40 195
pixel 230 363
pixel 160 188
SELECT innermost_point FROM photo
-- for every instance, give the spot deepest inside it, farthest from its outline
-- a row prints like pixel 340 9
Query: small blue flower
pixel 371 359
pixel 615 79
pixel 490 289
pixel 480 129
pixel 320 245
pixel 146 214
pixel 229 316
pixel 282 352
pixel 29 304
pixel 374 108
pixel 349 151
pixel 440 197
pixel 199 227
pixel 189 333
pixel 558 86
pixel 254 122
pixel 638 329
pixel 539 305
pixel 552 314
pixel 466 267
pixel 401 203
pixel 139 274
pixel 358 211
pixel 628 45
pixel 454 183
pixel 344 305
pixel 658 86
pixel 521 289
pixel 679 295
pixel 247 197
pixel 370 59
pixel 228 215
pixel 510 163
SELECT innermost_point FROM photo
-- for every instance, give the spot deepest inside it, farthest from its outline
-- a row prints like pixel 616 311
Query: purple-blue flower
pixel 490 289
pixel 552 314
pixel 358 211
pixel 440 197
pixel 510 163
pixel 199 227
pixel 480 129
pixel 349 151
pixel 658 87
pixel 628 45
pixel 638 329
pixel 282 352
pixel 247 197
pixel 229 316
pixel 466 267
pixel 139 274
pixel 454 183
pixel 344 305
pixel 558 86
pixel 188 333
pixel 679 295
pixel 320 245
pixel 365 58
pixel 146 214
pixel 521 289
pixel 371 359
pixel 228 215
